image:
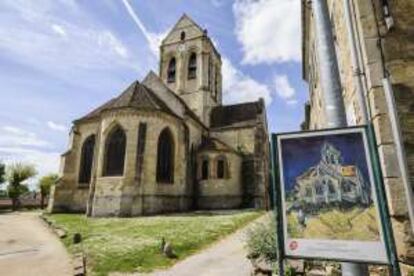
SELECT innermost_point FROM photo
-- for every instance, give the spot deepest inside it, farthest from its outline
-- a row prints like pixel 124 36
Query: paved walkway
pixel 225 258
pixel 28 247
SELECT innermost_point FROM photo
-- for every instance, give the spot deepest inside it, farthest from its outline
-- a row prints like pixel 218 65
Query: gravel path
pixel 28 247
pixel 225 258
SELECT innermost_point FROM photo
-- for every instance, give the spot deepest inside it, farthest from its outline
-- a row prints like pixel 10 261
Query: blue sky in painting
pixel 299 154
pixel 61 58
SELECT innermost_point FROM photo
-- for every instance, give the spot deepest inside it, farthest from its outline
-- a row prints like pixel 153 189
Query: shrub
pixel 261 241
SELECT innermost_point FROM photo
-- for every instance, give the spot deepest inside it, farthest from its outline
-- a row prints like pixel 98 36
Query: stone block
pixel 374 74
pixel 382 127
pixel 371 50
pixel 404 239
pixel 406 269
pixel 388 160
pixel 395 192
pixel 377 101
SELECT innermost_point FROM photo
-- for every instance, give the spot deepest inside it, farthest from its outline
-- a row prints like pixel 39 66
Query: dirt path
pixel 225 258
pixel 28 247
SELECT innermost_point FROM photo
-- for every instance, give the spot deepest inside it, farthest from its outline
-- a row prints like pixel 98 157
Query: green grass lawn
pixel 133 244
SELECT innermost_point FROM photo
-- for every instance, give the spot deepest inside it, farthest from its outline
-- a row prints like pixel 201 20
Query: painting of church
pixel 331 182
pixel 167 143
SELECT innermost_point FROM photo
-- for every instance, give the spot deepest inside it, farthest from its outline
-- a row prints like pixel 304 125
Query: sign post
pixel 330 201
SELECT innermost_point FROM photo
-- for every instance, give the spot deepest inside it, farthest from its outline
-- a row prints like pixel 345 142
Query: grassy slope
pixel 132 244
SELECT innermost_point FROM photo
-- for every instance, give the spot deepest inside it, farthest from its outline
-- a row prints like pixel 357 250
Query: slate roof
pixel 135 96
pixel 236 115
pixel 211 143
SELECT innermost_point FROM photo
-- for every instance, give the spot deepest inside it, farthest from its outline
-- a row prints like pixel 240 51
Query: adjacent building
pixel 384 47
pixel 167 143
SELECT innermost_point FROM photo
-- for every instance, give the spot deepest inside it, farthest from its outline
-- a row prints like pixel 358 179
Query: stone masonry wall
pixel 397 56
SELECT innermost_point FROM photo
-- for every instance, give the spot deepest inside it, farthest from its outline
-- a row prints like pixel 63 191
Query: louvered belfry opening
pixel 192 66
pixel 165 157
pixel 171 71
pixel 115 152
pixel 86 162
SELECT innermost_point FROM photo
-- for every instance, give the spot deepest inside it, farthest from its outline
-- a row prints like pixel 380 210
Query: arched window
pixel 182 35
pixel 216 83
pixel 210 72
pixel 220 168
pixel 171 70
pixel 165 157
pixel 86 160
pixel 115 152
pixel 204 169
pixel 192 66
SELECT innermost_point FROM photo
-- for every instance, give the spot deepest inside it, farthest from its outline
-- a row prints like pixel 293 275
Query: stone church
pixel 167 143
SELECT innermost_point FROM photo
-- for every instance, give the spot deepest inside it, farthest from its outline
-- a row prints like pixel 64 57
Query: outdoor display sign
pixel 328 196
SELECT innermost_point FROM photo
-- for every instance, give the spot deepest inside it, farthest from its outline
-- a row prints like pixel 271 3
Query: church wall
pixel 253 143
pixel 69 195
pixel 226 193
pixel 123 195
pixel 242 139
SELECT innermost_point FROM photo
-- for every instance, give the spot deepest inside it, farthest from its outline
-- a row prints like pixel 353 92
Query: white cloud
pixel 269 30
pixel 283 87
pixel 238 87
pixel 153 39
pixel 59 30
pixel 61 44
pixel 44 161
pixel 20 145
pixel 56 126
pixel 12 136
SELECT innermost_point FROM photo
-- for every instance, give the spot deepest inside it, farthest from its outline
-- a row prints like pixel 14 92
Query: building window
pixel 171 70
pixel 115 152
pixel 209 72
pixel 192 66
pixel 216 83
pixel 220 168
pixel 165 157
pixel 86 161
pixel 182 35
pixel 204 169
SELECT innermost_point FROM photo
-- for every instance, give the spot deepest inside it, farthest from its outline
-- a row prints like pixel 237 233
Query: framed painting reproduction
pixel 328 196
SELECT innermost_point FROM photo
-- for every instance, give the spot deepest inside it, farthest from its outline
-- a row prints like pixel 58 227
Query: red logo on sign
pixel 293 245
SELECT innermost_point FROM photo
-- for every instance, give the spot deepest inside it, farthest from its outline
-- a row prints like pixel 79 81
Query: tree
pixel 17 174
pixel 45 183
pixel 2 173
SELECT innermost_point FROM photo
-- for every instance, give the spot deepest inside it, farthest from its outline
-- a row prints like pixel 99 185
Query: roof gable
pixel 135 96
pixel 185 23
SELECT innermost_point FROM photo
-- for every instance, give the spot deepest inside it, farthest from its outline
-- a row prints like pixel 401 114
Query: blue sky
pixel 61 58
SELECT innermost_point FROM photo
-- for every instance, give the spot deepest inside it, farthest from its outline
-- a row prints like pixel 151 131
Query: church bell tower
pixel 191 67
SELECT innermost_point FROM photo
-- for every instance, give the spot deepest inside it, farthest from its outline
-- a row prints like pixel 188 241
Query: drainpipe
pixel 328 67
pixel 357 72
pixel 332 92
